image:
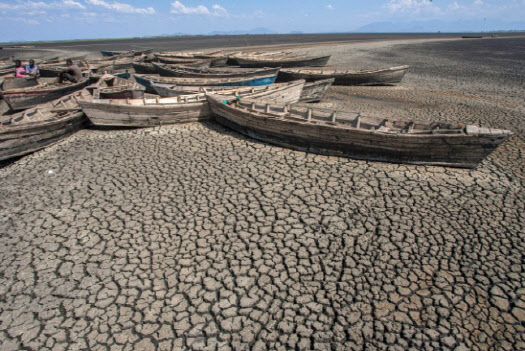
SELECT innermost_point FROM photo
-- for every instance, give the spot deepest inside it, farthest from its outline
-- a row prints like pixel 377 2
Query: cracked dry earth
pixel 194 237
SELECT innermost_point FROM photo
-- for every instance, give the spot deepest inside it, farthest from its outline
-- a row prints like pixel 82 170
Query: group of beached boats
pixel 266 98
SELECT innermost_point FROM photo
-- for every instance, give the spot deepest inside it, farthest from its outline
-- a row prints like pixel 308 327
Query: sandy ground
pixel 194 237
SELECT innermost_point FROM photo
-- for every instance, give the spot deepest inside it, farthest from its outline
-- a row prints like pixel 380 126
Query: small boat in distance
pixel 256 61
pixel 351 134
pixel 386 76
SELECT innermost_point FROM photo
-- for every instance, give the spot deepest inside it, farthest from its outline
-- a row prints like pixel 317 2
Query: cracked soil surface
pixel 194 237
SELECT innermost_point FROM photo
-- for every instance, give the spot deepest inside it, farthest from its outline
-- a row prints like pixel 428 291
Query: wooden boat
pixel 314 91
pixel 117 63
pixel 351 134
pixel 55 69
pixel 41 126
pixel 194 62
pixel 177 71
pixel 281 61
pixel 146 80
pixel 113 87
pixel 385 76
pixel 48 90
pixel 144 68
pixel 126 53
pixel 166 90
pixel 217 58
pixel 181 109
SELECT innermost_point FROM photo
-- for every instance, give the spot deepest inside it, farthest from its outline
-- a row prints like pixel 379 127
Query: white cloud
pixel 478 2
pixel 408 5
pixel 120 7
pixel 24 20
pixel 219 11
pixel 32 5
pixel 455 6
pixel 179 8
pixel 330 7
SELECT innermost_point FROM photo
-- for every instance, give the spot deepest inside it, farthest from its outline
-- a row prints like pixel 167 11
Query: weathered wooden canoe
pixel 113 87
pixel 195 62
pixel 48 90
pixel 165 90
pixel 217 58
pixel 176 71
pixel 126 53
pixel 314 91
pixel 385 76
pixel 41 126
pixel 146 80
pixel 358 136
pixel 181 109
pixel 281 61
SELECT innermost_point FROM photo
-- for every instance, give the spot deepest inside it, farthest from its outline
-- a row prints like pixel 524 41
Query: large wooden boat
pixel 281 61
pixel 157 111
pixel 385 76
pixel 187 72
pixel 146 80
pixel 314 91
pixel 165 90
pixel 48 90
pixel 113 87
pixel 41 126
pixel 354 135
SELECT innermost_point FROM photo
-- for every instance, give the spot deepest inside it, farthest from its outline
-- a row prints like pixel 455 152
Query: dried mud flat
pixel 194 237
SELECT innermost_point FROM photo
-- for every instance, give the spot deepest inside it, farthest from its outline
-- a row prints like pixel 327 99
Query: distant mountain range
pixel 487 25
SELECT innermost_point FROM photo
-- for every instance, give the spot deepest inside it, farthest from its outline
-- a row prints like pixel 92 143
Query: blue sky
pixel 79 19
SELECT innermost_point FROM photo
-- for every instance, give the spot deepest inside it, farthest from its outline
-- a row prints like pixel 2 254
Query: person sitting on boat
pixel 20 71
pixel 72 73
pixel 32 69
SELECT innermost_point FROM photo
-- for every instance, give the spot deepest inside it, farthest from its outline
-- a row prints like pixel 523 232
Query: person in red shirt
pixel 20 71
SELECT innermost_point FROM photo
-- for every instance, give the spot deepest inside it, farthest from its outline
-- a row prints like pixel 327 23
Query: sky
pixel 30 20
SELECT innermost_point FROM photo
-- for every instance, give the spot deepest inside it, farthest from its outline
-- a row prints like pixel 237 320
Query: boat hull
pixel 387 76
pixel 453 151
pixel 21 100
pixel 302 62
pixel 105 114
pixel 23 141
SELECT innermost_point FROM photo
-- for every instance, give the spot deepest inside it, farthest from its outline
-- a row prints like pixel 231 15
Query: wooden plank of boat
pixel 166 90
pixel 41 126
pixel 282 61
pixel 149 112
pixel 314 91
pixel 18 83
pixel 144 68
pixel 387 76
pixel 176 71
pixel 350 134
pixel 146 80
pixel 24 98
